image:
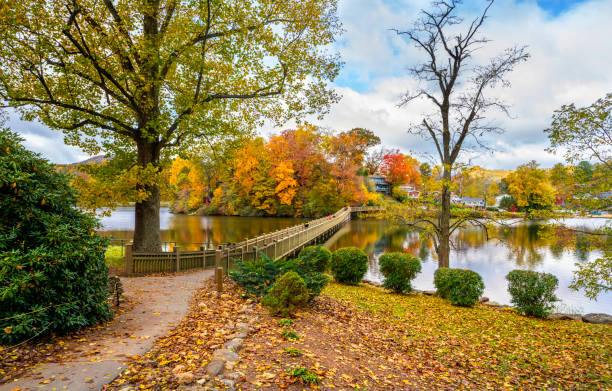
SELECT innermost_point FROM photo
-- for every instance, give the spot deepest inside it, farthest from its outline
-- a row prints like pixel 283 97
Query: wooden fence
pixel 278 244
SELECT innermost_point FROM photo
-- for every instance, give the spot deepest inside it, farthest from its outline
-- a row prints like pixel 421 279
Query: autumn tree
pixel 459 90
pixel 399 169
pixel 531 188
pixel 492 192
pixel 139 81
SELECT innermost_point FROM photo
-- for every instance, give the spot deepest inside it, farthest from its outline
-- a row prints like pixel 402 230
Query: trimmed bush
pixel 349 265
pixel 288 293
pixel 532 293
pixel 314 258
pixel 461 287
pixel 53 277
pixel 399 269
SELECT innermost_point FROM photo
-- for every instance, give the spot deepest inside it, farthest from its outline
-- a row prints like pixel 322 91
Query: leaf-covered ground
pixel 365 338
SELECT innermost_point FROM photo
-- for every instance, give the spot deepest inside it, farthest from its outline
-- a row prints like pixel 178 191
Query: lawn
pixel 114 256
pixel 485 348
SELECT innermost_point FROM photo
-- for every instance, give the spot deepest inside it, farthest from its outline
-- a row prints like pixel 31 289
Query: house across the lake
pixel 473 202
pixel 380 184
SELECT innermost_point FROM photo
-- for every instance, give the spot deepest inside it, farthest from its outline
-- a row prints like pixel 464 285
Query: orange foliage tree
pixel 400 169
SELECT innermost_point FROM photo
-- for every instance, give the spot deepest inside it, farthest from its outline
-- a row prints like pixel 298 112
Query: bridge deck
pixel 275 245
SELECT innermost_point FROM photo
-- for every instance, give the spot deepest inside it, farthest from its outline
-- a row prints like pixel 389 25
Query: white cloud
pixel 570 63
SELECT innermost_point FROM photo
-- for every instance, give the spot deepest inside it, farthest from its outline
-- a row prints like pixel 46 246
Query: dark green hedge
pixel 315 258
pixel 461 287
pixel 53 277
pixel 532 293
pixel 349 265
pixel 288 293
pixel 399 269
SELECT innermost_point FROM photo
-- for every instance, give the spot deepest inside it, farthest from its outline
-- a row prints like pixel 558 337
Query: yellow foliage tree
pixel 530 186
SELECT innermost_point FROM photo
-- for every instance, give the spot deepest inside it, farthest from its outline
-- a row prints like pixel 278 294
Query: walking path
pixel 161 302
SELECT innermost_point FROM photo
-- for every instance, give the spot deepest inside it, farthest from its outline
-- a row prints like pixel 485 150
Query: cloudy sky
pixel 571 61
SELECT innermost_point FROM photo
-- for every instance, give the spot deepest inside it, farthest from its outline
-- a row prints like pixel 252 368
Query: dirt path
pixel 160 303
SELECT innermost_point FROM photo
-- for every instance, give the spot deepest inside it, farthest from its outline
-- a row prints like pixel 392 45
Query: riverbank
pixel 361 337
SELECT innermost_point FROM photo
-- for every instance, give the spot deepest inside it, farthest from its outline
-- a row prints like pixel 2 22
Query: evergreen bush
pixel 53 277
pixel 314 258
pixel 399 269
pixel 459 286
pixel 287 294
pixel 257 277
pixel 532 293
pixel 349 265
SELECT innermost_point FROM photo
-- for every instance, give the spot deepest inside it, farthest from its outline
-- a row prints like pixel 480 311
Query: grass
pixel 492 348
pixel 114 257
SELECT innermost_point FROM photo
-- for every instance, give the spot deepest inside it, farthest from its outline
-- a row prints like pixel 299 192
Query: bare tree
pixel 458 89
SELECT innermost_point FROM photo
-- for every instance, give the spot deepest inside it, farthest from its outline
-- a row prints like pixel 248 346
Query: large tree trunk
pixel 146 229
pixel 443 249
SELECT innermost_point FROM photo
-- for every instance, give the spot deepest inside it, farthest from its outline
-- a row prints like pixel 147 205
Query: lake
pixel 520 247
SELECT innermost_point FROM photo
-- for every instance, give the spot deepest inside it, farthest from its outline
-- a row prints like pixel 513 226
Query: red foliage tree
pixel 399 168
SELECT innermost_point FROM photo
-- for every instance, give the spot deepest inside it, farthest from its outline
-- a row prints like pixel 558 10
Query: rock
pixel 430 293
pixel 234 344
pixel 184 378
pixel 234 376
pixel 597 318
pixel 243 328
pixel 237 335
pixel 565 317
pixel 225 355
pixel 178 369
pixel 493 304
pixel 202 381
pixel 253 320
pixel 228 383
pixel 483 299
pixel 214 368
pixel 229 366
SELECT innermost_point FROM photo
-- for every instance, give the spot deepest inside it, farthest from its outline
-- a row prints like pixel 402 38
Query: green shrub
pixel 460 286
pixel 288 293
pixel 257 277
pixel 399 269
pixel 314 258
pixel 52 275
pixel 289 334
pixel 349 265
pixel 285 322
pixel 293 352
pixel 532 293
pixel 304 374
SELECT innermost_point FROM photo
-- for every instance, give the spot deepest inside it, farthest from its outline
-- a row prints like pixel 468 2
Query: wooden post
pixel 219 279
pixel 203 249
pixel 219 269
pixel 129 260
pixel 177 258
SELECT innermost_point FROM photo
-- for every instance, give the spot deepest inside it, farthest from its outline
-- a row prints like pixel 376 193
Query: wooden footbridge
pixel 278 244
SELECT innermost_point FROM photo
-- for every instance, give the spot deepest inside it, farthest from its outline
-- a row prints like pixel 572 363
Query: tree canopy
pixel 141 81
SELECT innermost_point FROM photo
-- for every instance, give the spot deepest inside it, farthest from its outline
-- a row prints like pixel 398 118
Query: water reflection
pixel 524 246
pixel 192 230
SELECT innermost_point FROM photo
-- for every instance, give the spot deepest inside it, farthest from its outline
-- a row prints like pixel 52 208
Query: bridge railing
pixel 275 245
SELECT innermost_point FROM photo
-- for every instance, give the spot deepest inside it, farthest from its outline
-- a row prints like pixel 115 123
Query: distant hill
pixel 95 159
